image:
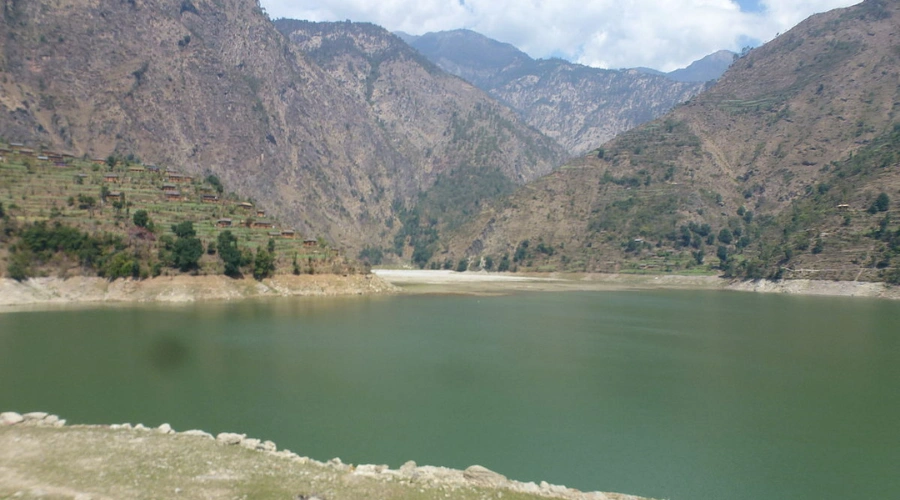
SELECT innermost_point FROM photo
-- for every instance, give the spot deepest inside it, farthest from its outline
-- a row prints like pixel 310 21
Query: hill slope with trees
pixel 787 167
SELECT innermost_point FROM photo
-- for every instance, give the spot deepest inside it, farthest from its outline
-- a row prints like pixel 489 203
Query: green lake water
pixel 680 395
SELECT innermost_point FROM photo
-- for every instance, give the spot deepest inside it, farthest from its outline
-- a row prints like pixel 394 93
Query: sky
pixel 659 34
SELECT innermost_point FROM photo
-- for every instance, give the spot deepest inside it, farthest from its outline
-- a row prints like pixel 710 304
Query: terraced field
pixel 35 188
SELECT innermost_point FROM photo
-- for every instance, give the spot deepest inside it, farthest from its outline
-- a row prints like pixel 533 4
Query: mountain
pixel 209 86
pixel 466 147
pixel 578 106
pixel 787 167
pixel 437 121
pixel 711 67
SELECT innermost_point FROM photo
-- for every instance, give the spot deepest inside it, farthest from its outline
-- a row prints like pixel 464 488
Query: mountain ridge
pixel 579 106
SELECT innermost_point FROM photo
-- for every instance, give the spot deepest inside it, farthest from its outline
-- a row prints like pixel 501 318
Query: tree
pixel 2 212
pixel 462 265
pixel 371 255
pixel 141 218
pixel 264 266
pixel 881 204
pixel 87 203
pixel 504 264
pixel 104 192
pixel 230 253
pixel 214 181
pixel 698 256
pixel 271 246
pixel 725 236
pixel 184 229
pixel 722 254
pixel 19 264
pixel 488 263
pixel 521 251
pixel 187 253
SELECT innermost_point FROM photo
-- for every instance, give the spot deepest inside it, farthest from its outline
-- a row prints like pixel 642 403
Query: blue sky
pixel 660 34
pixel 751 5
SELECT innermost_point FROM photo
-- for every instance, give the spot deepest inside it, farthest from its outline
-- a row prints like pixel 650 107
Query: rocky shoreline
pixel 424 479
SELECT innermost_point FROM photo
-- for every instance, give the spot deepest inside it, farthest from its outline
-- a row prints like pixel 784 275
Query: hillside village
pixel 138 207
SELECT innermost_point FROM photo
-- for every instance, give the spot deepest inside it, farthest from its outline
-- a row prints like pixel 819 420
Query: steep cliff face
pixel 789 152
pixel 201 86
pixel 211 86
pixel 578 106
pixel 438 121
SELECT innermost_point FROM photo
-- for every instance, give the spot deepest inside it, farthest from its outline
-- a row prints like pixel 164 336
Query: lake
pixel 668 394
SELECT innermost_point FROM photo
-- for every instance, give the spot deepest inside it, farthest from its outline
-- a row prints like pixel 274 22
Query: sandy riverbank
pixel 37 292
pixel 418 281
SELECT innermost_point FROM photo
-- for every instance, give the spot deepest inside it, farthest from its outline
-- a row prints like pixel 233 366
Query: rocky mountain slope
pixel 211 86
pixel 578 106
pixel 787 167
pixel 708 68
pixel 466 147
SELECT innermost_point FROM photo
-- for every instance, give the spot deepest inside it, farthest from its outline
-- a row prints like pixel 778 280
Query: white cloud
pixel 661 34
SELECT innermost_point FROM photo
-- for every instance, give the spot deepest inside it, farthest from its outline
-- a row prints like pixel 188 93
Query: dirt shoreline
pixel 41 456
pixel 43 293
pixel 415 281
pixel 51 292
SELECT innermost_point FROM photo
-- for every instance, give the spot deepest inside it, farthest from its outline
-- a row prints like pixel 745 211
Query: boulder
pixel 35 415
pixel 10 418
pixel 250 443
pixel 165 429
pixel 195 432
pixel 483 475
pixel 230 438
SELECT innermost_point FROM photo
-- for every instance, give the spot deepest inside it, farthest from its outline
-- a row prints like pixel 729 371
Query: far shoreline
pixel 484 283
pixel 38 294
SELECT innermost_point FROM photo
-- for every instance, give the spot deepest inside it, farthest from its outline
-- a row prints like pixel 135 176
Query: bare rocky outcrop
pixel 578 106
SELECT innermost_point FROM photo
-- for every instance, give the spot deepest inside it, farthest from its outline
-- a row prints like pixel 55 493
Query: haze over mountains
pixel 790 152
pixel 578 106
